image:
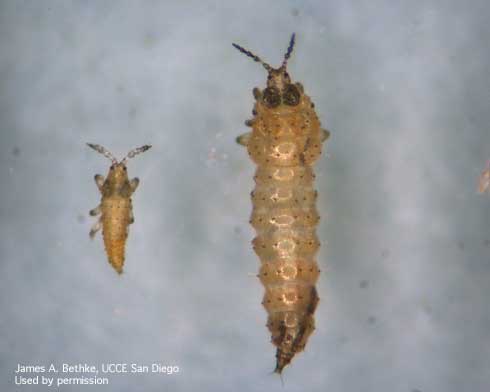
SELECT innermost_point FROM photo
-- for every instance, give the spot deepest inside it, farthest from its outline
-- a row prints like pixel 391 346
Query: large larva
pixel 115 209
pixel 484 180
pixel 285 141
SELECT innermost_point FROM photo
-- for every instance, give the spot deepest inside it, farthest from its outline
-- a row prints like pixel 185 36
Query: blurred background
pixel 402 86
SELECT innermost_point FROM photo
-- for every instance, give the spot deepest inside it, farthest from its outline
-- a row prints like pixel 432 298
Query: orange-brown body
pixel 116 207
pixel 285 141
pixel 116 217
pixel 117 214
pixel 484 180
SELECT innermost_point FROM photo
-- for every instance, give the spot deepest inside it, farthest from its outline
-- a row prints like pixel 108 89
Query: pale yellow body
pixel 284 143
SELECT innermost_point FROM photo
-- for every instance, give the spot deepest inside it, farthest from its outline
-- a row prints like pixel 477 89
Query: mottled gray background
pixel 404 89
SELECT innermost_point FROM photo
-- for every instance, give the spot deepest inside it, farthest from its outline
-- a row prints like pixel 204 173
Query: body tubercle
pixel 285 141
pixel 115 208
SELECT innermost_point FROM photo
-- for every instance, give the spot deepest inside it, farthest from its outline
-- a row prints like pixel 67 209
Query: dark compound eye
pixel 291 95
pixel 271 97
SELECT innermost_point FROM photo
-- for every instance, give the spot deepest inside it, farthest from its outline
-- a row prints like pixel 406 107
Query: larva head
pixel 279 87
pixel 118 170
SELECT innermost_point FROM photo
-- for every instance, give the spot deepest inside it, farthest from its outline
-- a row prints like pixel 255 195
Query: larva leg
pixel 95 228
pixel 133 184
pixel 244 139
pixel 99 180
pixel 257 93
pixel 325 134
pixel 249 123
pixel 96 211
pixel 131 216
pixel 300 87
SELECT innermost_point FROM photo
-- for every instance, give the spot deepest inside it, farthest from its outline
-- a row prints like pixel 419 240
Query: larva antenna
pixel 289 51
pixel 103 151
pixel 254 57
pixel 135 152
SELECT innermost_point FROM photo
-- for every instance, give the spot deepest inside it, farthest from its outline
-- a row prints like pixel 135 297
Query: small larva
pixel 115 208
pixel 285 141
pixel 484 180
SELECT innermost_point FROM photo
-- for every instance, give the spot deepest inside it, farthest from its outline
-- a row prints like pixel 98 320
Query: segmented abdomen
pixel 116 212
pixel 284 145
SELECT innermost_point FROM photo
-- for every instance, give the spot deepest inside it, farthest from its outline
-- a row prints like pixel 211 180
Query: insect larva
pixel 484 180
pixel 285 141
pixel 115 208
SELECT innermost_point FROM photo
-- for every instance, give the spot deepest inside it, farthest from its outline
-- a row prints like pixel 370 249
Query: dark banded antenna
pixel 104 151
pixel 135 152
pixel 253 56
pixel 289 51
pixel 264 64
